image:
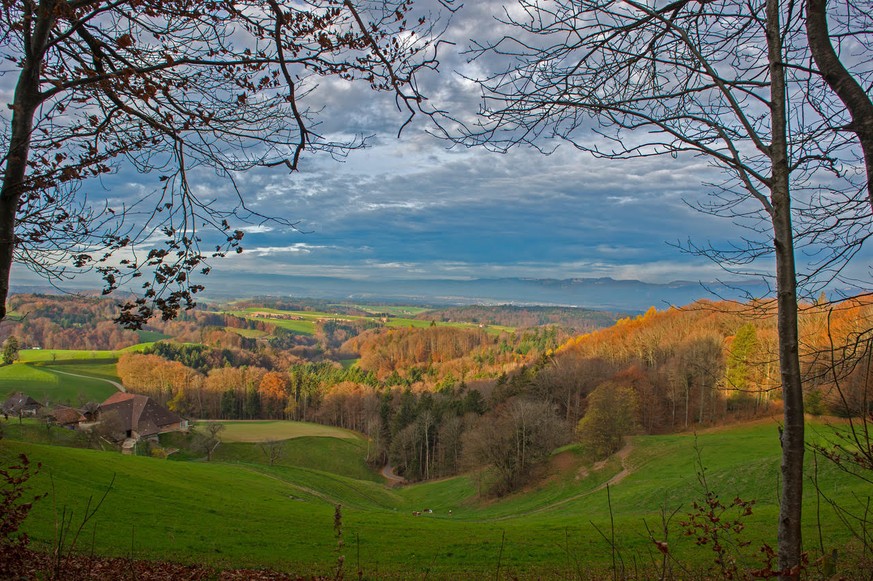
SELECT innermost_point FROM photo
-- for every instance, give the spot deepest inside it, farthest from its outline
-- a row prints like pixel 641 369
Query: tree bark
pixel 24 104
pixel 852 94
pixel 789 532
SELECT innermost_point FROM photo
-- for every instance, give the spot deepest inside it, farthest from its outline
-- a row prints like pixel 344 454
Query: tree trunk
pixel 789 534
pixel 25 102
pixel 13 177
pixel 853 95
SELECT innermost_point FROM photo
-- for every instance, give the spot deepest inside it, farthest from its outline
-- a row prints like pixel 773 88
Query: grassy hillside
pixel 244 512
pixel 300 444
pixel 62 375
pixel 59 383
pixel 304 322
pixel 263 430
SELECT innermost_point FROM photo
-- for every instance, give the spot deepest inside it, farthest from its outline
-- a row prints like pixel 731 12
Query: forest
pixel 439 399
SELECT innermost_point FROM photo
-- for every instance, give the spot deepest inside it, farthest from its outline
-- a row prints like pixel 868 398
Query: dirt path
pixel 392 478
pixel 625 471
pixel 117 385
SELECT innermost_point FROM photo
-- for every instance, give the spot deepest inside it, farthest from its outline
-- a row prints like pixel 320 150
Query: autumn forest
pixel 438 398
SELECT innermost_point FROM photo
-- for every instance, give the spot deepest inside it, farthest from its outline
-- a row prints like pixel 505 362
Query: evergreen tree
pixel 742 349
pixel 10 350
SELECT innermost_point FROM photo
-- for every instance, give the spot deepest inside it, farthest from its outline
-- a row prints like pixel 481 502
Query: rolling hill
pixel 240 511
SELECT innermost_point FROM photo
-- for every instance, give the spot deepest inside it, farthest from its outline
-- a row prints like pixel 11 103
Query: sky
pixel 414 206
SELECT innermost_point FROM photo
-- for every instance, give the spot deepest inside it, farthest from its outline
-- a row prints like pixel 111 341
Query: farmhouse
pixel 65 416
pixel 21 404
pixel 137 416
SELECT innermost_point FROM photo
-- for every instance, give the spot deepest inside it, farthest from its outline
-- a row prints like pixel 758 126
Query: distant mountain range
pixel 592 293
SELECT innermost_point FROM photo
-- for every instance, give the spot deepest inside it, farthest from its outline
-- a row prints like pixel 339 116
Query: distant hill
pixel 592 293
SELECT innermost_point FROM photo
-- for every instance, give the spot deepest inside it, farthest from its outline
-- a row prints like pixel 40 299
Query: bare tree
pixel 514 440
pixel 272 450
pixel 212 440
pixel 175 87
pixel 726 80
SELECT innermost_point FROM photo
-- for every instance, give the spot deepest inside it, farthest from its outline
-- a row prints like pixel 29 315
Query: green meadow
pixel 254 431
pixel 304 322
pixel 62 375
pixel 57 384
pixel 238 510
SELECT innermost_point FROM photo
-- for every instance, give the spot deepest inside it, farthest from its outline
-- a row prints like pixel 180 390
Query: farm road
pixel 392 478
pixel 117 385
pixel 625 471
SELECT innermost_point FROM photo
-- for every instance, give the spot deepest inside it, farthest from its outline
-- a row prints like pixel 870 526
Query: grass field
pixel 242 511
pixel 54 355
pixel 344 457
pixel 54 384
pixel 62 376
pixel 248 333
pixel 151 336
pixel 264 430
pixel 305 321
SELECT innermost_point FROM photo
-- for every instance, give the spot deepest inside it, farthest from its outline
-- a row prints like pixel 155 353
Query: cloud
pixel 296 248
pixel 417 206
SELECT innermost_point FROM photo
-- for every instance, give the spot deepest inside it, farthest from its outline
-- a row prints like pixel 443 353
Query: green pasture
pixel 151 336
pixel 349 363
pixel 343 456
pixel 265 430
pixel 248 333
pixel 53 355
pixel 305 325
pixel 82 355
pixel 54 383
pixel 238 510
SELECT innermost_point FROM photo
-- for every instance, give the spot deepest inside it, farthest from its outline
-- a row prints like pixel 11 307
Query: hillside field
pixel 239 510
pixel 304 322
pixel 70 382
pixel 63 375
pixel 256 431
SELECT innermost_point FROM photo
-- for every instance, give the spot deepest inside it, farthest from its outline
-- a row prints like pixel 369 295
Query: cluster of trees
pixel 710 362
pixel 9 350
pixel 438 355
pixel 66 322
pixel 432 434
pixel 387 351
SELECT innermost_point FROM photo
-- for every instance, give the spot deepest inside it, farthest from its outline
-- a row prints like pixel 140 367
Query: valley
pixel 238 510
pixel 527 443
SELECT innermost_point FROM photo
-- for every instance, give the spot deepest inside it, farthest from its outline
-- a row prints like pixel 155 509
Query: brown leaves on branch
pixel 171 87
